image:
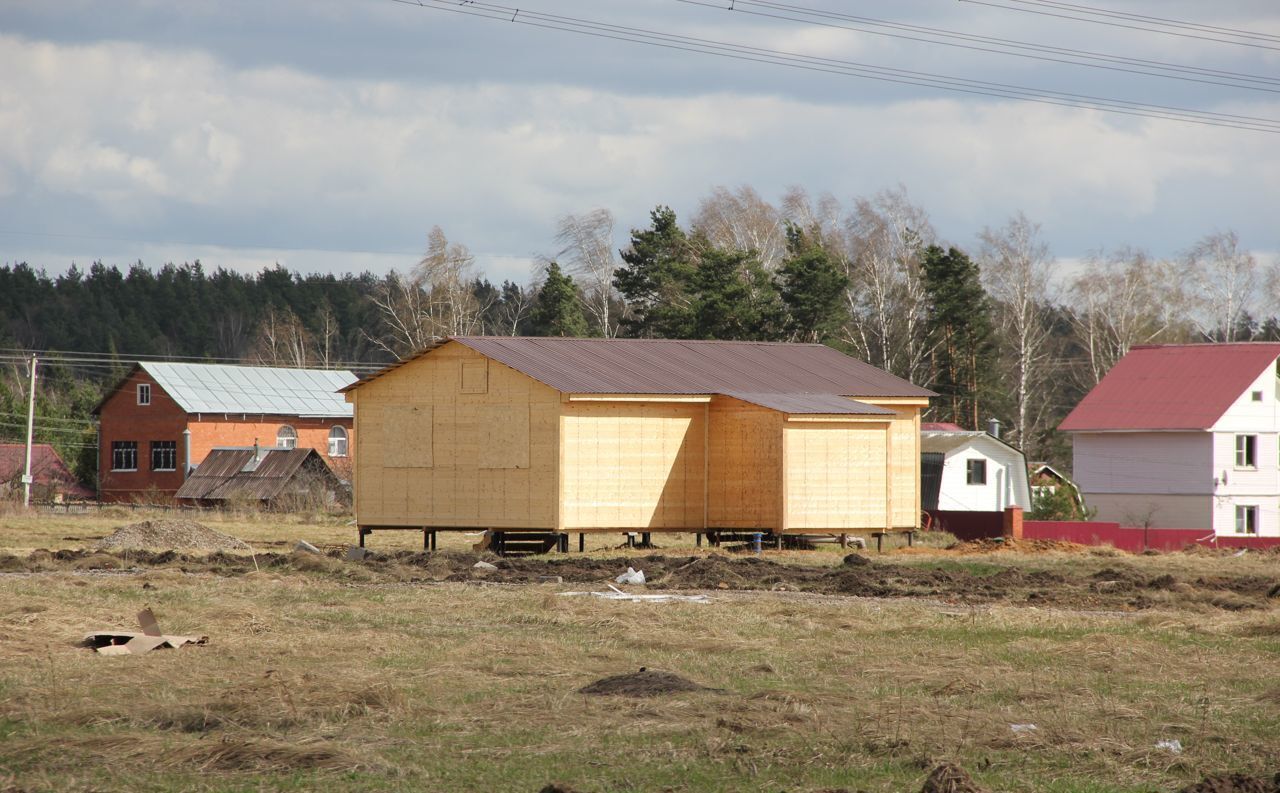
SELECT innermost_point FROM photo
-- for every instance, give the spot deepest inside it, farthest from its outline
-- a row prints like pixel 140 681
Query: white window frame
pixel 144 393
pixel 286 437
pixel 339 442
pixel 1247 519
pixel 1246 452
pixel 113 455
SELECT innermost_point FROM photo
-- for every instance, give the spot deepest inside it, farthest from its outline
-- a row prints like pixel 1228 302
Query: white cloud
pixel 169 142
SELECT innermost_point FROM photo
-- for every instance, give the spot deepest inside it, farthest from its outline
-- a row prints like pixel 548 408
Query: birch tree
pixel 1121 300
pixel 1017 272
pixel 740 220
pixel 885 237
pixel 587 251
pixel 1225 283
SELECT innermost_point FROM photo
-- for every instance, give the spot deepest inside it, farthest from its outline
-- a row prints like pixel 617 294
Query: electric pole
pixel 31 422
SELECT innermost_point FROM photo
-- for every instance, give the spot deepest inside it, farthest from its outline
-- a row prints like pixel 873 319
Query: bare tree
pixel 445 274
pixel 407 324
pixel 327 341
pixel 741 220
pixel 1225 283
pixel 587 251
pixel 436 300
pixel 282 339
pixel 884 238
pixel 1017 272
pixel 1121 300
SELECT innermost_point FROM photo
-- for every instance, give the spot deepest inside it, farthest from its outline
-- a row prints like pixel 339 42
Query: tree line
pixel 998 329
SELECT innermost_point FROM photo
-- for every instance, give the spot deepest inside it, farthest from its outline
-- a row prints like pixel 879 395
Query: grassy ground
pixel 315 677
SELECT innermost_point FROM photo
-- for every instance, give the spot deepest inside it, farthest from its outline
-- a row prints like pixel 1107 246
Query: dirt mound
pixel 1234 783
pixel 556 787
pixel 950 778
pixel 176 534
pixel 644 683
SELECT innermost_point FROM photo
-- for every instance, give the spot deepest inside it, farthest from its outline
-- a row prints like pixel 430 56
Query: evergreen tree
pixel 657 278
pixel 960 333
pixel 557 310
pixel 812 287
pixel 733 297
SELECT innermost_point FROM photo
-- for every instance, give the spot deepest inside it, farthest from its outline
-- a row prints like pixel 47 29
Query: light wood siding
pixel 492 454
pixel 632 465
pixel 745 487
pixel 837 475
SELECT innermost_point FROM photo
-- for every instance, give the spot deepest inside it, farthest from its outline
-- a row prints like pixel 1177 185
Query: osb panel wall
pixel 836 475
pixel 633 465
pixel 486 459
pixel 745 485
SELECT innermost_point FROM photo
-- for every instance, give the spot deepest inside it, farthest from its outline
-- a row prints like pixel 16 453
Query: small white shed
pixel 980 473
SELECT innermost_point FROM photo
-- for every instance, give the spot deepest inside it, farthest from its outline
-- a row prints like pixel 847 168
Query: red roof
pixel 795 378
pixel 1172 387
pixel 47 468
pixel 940 426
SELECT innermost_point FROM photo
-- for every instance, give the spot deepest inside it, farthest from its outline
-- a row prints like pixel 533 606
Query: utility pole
pixel 31 421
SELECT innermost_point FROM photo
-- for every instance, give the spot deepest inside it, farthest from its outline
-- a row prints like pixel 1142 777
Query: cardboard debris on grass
pixel 132 643
pixel 618 594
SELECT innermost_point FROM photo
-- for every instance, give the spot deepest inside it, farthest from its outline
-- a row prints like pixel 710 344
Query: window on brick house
pixel 144 393
pixel 976 472
pixel 286 437
pixel 164 455
pixel 124 455
pixel 337 441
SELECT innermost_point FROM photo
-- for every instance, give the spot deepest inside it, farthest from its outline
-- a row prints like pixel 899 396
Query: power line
pixel 1145 29
pixel 845 68
pixel 1252 34
pixel 1074 57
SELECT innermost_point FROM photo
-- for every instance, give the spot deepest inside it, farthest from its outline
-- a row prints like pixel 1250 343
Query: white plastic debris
pixel 618 594
pixel 1023 728
pixel 632 576
pixel 483 565
pixel 1171 744
pixel 1241 552
pixel 307 547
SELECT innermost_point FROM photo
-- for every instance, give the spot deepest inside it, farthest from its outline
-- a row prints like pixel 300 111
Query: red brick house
pixel 163 419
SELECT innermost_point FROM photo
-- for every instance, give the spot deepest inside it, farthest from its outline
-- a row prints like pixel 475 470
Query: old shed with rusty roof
pixel 577 435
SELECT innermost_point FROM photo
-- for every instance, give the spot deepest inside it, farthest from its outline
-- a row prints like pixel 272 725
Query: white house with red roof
pixel 1184 436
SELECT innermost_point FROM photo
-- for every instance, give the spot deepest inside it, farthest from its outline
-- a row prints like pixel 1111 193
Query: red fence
pixel 968 526
pixel 1136 540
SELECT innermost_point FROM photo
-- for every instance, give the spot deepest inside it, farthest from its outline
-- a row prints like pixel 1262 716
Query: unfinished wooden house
pixel 585 435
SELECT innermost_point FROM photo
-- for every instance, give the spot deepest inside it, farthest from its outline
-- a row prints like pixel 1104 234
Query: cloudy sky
pixel 331 135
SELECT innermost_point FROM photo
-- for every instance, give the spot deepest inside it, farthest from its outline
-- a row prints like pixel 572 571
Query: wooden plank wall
pixel 836 475
pixel 633 465
pixel 455 440
pixel 745 484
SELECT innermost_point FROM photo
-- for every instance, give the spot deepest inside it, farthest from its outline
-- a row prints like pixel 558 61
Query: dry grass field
pixel 414 673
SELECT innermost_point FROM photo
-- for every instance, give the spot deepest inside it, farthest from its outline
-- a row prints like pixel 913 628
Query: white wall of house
pixel 1006 483
pixel 1256 485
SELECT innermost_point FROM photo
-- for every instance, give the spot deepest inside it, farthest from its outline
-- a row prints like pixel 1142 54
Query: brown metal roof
pixel 669 366
pixel 812 404
pixel 223 475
